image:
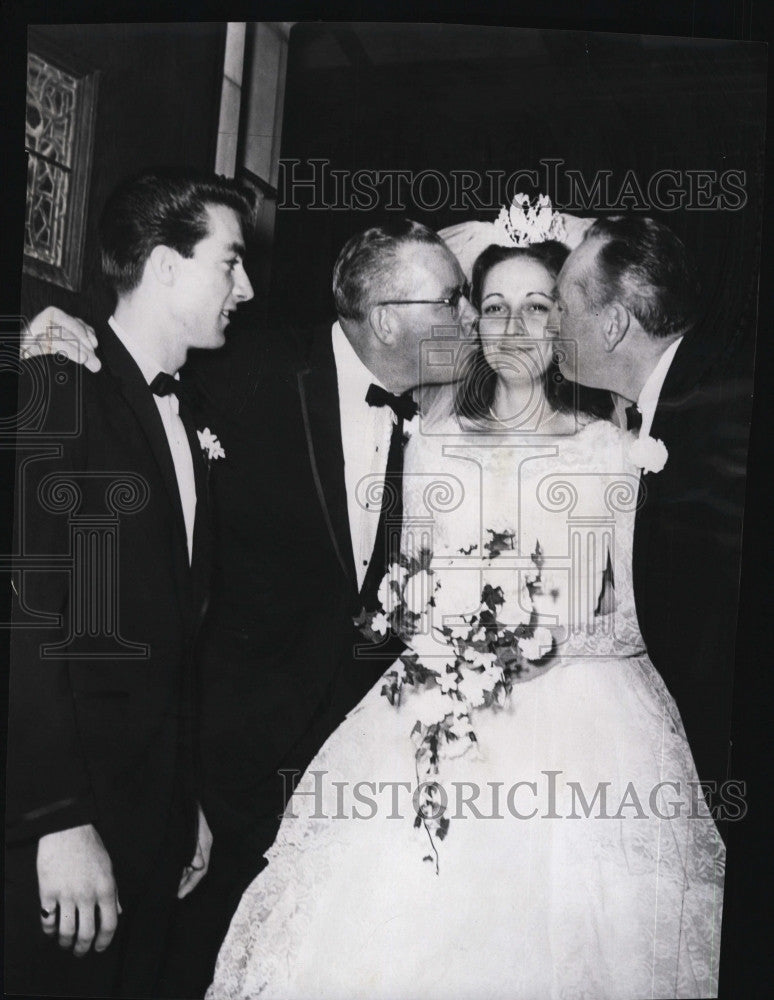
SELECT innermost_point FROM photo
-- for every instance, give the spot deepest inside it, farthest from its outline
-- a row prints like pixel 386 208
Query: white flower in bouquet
pixel 461 737
pixel 380 623
pixel 649 454
pixel 458 629
pixel 479 658
pixel 431 705
pixel 433 651
pixel 474 686
pixel 391 587
pixel 448 681
pixel 536 646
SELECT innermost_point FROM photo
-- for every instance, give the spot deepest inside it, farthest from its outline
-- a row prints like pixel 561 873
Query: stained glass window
pixel 58 144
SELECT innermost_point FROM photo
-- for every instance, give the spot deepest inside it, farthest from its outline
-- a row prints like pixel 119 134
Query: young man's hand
pixel 77 889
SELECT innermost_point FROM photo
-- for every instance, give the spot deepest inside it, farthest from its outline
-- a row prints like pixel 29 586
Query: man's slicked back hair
pixel 161 208
pixel 642 264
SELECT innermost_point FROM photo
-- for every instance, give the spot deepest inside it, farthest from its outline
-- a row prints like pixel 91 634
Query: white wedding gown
pixel 547 892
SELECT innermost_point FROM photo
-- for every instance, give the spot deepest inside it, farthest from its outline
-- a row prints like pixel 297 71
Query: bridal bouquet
pixel 461 661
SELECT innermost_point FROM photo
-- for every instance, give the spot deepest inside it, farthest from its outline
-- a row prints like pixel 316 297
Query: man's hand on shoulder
pixel 77 889
pixel 55 332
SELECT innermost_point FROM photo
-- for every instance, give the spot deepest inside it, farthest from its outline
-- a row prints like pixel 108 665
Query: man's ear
pixel 164 264
pixel 616 325
pixel 382 321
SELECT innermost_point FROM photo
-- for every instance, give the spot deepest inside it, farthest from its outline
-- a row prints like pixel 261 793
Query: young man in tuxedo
pixel 628 298
pixel 300 546
pixel 114 553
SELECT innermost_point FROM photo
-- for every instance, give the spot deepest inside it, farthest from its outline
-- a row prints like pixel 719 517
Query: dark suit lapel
pixel 135 390
pixel 319 395
pixel 202 538
pixel 689 366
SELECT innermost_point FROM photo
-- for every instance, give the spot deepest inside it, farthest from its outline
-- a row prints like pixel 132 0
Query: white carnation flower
pixel 649 454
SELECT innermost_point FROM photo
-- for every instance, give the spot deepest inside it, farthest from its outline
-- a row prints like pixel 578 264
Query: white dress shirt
pixel 647 401
pixel 365 438
pixel 168 407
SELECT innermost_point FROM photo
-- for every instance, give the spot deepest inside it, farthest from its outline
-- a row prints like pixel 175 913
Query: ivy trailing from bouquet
pixel 470 663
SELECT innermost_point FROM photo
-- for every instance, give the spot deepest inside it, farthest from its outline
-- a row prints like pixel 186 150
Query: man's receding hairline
pixel 405 249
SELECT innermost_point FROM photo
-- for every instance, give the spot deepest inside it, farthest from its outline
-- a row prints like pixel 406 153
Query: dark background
pixel 451 97
pixel 433 105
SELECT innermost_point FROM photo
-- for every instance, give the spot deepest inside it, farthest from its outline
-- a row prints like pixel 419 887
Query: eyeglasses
pixel 452 301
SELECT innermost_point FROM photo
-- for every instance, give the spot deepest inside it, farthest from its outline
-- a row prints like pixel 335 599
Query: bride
pixel 513 812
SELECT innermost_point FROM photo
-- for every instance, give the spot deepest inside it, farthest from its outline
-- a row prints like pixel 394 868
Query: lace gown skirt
pixel 580 860
pixel 569 869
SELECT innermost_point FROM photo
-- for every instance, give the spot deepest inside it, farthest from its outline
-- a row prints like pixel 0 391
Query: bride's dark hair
pixel 476 388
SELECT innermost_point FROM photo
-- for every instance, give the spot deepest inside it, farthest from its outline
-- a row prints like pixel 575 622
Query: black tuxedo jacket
pixel 282 661
pixel 100 728
pixel 687 542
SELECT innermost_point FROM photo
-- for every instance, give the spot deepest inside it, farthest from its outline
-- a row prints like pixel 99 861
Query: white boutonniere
pixel 211 447
pixel 649 454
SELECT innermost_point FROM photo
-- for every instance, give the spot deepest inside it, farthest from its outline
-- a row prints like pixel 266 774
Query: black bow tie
pixel 402 406
pixel 165 384
pixel 633 418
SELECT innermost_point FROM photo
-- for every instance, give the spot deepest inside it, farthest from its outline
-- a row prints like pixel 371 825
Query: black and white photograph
pixel 384 429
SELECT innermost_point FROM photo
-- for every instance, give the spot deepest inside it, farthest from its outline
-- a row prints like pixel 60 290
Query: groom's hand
pixel 55 332
pixel 75 877
pixel 197 869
